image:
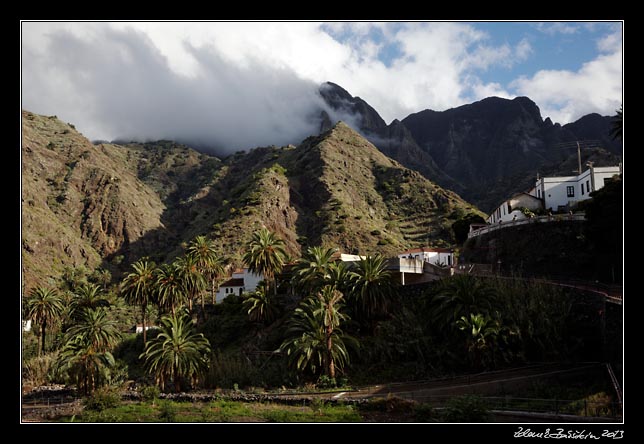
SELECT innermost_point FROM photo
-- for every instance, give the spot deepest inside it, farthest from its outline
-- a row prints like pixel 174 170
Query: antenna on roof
pixel 579 144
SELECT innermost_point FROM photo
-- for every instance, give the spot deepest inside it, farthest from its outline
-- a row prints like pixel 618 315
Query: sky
pixel 237 85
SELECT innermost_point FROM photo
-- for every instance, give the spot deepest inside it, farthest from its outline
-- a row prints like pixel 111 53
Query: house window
pixel 582 189
pixel 539 194
pixel 570 191
pixel 588 186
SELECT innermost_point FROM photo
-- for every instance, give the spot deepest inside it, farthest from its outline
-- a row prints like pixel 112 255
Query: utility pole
pixel 588 144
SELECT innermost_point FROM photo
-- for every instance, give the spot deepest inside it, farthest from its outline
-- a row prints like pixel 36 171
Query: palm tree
pixel 86 354
pixel 169 285
pixel 44 306
pixel 483 333
pixel 313 270
pixel 372 287
pixel 177 352
pixel 102 277
pixel 192 280
pixel 84 364
pixel 617 124
pixel 87 296
pixel 138 288
pixel 314 337
pixel 459 296
pixel 94 329
pixel 261 306
pixel 265 255
pixel 330 299
pixel 204 252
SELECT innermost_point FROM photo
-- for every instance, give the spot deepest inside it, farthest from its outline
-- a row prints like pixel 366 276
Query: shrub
pixel 389 404
pixel 467 408
pixel 325 382
pixel 424 412
pixel 39 370
pixel 149 392
pixel 102 398
pixel 598 404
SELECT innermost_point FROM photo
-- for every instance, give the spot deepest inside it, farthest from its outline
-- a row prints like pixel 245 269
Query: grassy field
pixel 218 411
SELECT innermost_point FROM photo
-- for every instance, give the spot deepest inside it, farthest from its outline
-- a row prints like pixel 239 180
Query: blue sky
pixel 243 84
pixel 561 46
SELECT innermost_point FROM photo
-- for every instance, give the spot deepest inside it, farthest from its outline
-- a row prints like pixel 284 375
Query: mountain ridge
pixel 107 205
pixel 484 150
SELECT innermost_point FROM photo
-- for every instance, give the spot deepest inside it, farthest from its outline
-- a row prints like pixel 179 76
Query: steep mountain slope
pixel 74 211
pixel 394 140
pixel 108 205
pixel 484 151
pixel 492 145
pixel 336 190
pixel 85 204
pixel 364 201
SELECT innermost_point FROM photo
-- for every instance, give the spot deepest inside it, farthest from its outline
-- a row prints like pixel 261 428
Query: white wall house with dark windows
pixel 511 208
pixel 436 256
pixel 241 281
pixel 561 193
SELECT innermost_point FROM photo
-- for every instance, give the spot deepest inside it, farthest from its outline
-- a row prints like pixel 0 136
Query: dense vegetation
pixel 315 321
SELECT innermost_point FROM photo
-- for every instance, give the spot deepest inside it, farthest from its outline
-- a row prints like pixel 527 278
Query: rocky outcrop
pixel 491 146
pixel 484 151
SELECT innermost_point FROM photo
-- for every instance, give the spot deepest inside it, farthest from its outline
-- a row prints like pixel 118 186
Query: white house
pixel 436 256
pixel 510 209
pixel 351 257
pixel 241 281
pixel 138 328
pixel 553 194
pixel 565 191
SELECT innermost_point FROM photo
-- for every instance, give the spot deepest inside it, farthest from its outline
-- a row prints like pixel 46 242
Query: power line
pixel 578 144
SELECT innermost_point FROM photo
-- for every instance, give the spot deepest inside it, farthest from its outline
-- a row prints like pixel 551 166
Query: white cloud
pixel 567 95
pixel 523 50
pixel 117 83
pixel 64 67
pixel 552 28
pixel 436 67
pixel 611 42
pixel 254 83
pixel 481 91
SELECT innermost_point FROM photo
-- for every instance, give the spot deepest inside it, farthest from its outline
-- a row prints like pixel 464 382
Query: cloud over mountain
pixel 235 85
pixel 117 84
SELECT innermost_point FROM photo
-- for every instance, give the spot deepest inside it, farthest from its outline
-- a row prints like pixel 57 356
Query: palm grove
pixel 316 318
